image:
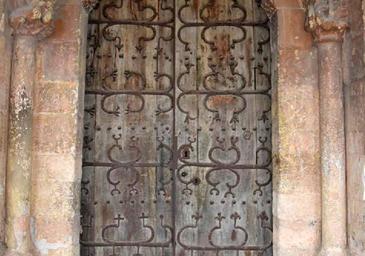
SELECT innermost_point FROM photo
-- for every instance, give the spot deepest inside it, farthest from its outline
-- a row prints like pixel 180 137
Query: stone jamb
pixel 354 74
pixel 296 179
pixel 5 62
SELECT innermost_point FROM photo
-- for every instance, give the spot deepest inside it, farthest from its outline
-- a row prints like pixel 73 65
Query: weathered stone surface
pixel 295 140
pixel 355 129
pixel 65 167
pixel 67 23
pixel 302 229
pixel 271 6
pixel 332 139
pixel 5 62
pixel 296 137
pixel 292 37
pixel 327 20
pixel 59 62
pixel 55 223
pixel 55 133
pixel 28 20
pixel 56 97
pixel 19 149
pixel 33 18
pixel 57 140
pixel 63 203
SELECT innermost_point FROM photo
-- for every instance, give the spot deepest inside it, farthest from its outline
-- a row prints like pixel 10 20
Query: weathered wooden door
pixel 177 138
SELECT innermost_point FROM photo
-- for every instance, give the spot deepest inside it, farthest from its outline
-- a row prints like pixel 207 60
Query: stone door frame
pixel 45 112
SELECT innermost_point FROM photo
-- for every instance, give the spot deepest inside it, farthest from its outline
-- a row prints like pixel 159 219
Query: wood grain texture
pixel 177 147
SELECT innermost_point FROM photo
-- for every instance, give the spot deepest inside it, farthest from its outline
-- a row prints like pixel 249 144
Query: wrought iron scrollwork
pixel 177 147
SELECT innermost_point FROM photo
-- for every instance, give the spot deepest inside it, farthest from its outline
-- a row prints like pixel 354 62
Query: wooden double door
pixel 177 130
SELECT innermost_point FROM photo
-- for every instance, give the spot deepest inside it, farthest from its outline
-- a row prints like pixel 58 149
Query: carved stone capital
pixel 269 7
pixel 89 5
pixel 34 19
pixel 326 19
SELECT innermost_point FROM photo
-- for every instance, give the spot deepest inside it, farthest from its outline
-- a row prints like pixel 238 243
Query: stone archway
pixel 43 208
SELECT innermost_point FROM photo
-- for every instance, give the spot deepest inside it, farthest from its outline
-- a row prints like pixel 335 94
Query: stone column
pixel 29 22
pixel 20 145
pixel 327 21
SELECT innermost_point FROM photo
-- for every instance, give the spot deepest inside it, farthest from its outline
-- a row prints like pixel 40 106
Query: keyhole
pixel 186 154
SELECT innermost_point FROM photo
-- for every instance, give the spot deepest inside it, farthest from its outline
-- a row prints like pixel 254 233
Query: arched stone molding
pixel 327 21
